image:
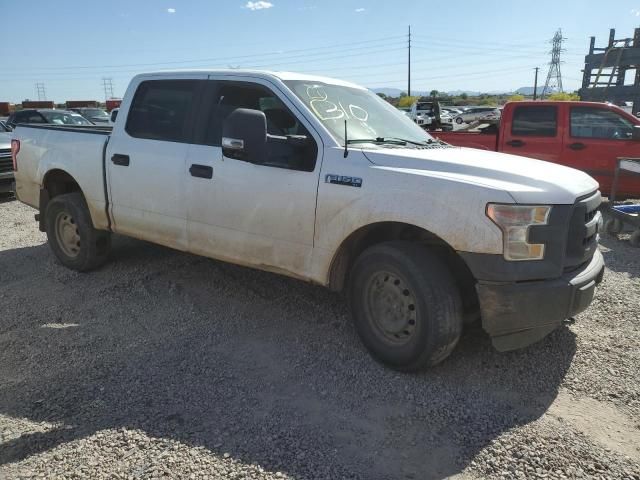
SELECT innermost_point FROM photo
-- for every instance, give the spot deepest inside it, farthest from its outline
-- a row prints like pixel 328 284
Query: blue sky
pixel 489 45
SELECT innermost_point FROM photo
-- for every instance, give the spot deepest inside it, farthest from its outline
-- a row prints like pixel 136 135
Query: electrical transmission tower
pixel 42 94
pixel 107 83
pixel 554 77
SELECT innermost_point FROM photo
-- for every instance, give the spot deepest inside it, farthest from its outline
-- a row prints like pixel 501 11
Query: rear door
pixel 534 131
pixel 596 137
pixel 145 160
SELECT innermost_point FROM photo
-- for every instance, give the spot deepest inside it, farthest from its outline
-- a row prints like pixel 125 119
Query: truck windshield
pixel 367 115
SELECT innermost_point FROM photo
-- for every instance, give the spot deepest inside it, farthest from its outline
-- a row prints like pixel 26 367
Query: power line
pixel 301 51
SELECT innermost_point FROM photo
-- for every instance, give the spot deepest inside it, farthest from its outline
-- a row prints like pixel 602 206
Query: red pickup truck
pixel 584 135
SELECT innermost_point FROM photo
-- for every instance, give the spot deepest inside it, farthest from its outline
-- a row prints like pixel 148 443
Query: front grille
pixel 6 164
pixel 583 230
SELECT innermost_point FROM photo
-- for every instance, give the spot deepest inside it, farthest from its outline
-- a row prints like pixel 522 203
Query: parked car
pixel 471 114
pixel 583 135
pixel 432 114
pixel 6 164
pixel 322 180
pixel 44 116
pixel 94 115
pixel 418 118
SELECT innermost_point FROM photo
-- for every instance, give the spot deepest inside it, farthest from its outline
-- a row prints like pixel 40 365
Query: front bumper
pixel 517 314
pixel 7 183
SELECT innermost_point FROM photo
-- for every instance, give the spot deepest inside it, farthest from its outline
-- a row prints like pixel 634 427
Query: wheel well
pixel 55 182
pixel 373 234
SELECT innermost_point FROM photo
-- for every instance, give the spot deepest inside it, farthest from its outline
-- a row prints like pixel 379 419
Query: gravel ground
pixel 163 364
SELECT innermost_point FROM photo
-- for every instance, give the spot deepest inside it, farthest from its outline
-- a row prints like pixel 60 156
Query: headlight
pixel 514 221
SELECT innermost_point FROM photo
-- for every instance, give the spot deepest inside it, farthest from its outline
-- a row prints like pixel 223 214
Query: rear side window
pixel 536 121
pixel 162 110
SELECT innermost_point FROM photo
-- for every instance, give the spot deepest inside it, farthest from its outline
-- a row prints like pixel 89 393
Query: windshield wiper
pixel 412 142
pixel 378 140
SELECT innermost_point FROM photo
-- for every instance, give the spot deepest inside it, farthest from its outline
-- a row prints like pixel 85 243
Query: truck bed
pixel 78 151
pixel 479 140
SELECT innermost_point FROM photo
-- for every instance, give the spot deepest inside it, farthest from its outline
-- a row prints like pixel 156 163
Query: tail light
pixel 15 148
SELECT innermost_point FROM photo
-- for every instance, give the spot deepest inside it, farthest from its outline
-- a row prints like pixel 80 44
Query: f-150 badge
pixel 343 180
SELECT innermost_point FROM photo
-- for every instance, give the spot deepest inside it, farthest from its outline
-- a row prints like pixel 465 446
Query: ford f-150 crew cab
pixel 322 180
pixel 588 136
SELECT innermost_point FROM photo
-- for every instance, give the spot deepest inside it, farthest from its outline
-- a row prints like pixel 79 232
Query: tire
pixel 613 226
pixel 423 309
pixel 459 120
pixel 81 248
pixel 634 239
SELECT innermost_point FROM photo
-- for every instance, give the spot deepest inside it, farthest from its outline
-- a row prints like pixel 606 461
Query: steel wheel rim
pixel 391 306
pixel 67 234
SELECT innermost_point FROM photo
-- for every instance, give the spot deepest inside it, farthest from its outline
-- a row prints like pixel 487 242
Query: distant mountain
pixel 529 90
pixel 395 92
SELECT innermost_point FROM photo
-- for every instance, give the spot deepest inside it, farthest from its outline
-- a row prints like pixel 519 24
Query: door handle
pixel 201 171
pixel 119 159
pixel 577 146
pixel 516 143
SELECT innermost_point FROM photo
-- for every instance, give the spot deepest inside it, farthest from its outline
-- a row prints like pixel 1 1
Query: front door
pixel 255 214
pixel 596 138
pixel 145 161
pixel 534 133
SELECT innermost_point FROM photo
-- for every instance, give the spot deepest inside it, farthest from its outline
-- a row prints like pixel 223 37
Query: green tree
pixel 464 96
pixel 382 95
pixel 563 97
pixel 515 98
pixel 407 101
pixel 434 93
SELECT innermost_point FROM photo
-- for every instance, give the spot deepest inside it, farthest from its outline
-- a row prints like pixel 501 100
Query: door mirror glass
pixel 114 114
pixel 244 135
pixel 635 133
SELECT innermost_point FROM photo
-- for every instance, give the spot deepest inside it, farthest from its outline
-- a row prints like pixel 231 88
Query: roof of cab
pixel 266 74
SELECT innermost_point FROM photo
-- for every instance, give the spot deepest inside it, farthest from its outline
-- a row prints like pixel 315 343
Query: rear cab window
pixel 163 110
pixel 535 121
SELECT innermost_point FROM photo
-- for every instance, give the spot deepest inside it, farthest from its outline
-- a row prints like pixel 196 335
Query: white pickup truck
pixel 321 180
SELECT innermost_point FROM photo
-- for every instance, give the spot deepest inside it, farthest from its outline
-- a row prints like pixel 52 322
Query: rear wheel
pixel 405 304
pixel 71 235
pixel 459 120
pixel 634 239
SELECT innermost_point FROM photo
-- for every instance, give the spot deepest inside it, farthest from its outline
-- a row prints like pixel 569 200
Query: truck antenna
pixel 346 142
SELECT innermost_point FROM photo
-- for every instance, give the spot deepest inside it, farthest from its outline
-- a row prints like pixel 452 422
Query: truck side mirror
pixel 244 135
pixel 635 134
pixel 114 114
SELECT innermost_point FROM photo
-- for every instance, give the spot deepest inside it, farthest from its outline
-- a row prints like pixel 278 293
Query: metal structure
pixel 107 84
pixel 605 71
pixel 42 94
pixel 554 77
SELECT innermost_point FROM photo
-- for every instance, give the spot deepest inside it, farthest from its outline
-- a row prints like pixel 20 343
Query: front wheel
pixel 459 120
pixel 71 235
pixel 405 305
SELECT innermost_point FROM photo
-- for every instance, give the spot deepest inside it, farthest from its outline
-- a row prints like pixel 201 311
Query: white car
pixel 471 114
pixel 321 180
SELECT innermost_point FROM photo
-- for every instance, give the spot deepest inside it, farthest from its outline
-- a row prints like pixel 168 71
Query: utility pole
pixel 554 76
pixel 107 84
pixel 535 85
pixel 409 66
pixel 42 94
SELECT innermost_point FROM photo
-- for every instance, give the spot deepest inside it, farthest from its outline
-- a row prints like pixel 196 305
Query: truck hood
pixel 525 179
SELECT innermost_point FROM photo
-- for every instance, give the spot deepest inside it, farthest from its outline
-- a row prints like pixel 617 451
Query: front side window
pixel 161 110
pixel 280 122
pixel 535 121
pixel 590 122
pixel 367 115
